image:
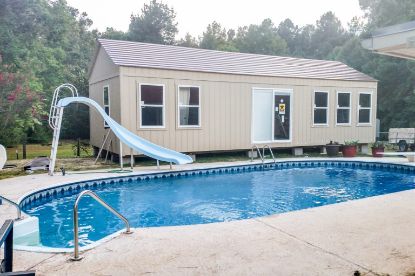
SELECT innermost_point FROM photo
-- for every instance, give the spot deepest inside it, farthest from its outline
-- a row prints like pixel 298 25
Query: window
pixel 321 105
pixel 189 106
pixel 106 101
pixel 343 108
pixel 365 108
pixel 151 105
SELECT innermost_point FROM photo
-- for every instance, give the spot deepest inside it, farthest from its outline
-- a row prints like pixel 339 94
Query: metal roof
pixel 137 54
pixel 397 41
pixel 399 28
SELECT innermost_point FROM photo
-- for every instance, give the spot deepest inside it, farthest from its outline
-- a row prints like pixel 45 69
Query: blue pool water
pixel 207 198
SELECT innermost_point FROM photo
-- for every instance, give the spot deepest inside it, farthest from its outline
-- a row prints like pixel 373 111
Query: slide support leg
pixel 102 146
pixel 132 158
pixel 120 155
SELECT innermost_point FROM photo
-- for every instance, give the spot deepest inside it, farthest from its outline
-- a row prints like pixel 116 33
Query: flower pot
pixel 332 149
pixel 376 152
pixel 349 151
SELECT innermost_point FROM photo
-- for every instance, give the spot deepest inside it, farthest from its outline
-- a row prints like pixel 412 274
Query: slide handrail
pixel 53 107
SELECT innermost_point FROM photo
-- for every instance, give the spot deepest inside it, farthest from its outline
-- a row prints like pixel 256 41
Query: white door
pixel 262 117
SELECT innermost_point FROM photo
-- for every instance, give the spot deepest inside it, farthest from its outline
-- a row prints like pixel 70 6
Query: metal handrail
pixel 270 150
pixel 19 210
pixel 6 242
pixel 76 256
pixel 259 153
pixel 6 238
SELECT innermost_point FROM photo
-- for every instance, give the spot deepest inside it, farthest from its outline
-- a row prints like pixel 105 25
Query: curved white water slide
pixel 128 138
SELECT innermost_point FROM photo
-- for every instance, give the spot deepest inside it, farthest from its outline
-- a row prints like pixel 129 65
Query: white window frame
pixel 275 91
pixel 326 108
pixel 199 106
pixel 152 105
pixel 345 108
pixel 365 108
pixel 106 105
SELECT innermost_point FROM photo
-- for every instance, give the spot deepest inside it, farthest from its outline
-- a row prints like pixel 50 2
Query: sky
pixel 193 16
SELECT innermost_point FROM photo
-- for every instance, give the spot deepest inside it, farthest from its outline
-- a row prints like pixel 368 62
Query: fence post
pixel 24 150
pixel 78 148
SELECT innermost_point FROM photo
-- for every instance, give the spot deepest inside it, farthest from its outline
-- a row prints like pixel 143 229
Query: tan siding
pixel 226 110
pixel 104 72
pixel 103 68
pixel 259 80
pixel 97 130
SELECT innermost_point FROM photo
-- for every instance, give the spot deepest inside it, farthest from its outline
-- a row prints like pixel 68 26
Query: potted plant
pixel 349 148
pixel 377 148
pixel 332 149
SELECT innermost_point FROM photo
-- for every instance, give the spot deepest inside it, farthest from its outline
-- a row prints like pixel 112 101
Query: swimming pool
pixel 210 195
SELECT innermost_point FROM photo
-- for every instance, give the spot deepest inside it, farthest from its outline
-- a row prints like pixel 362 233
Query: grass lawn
pixel 67 149
pixel 66 157
pixel 70 164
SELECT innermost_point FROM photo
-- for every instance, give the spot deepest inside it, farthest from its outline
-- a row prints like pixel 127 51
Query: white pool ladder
pixel 262 155
pixel 270 151
pixel 55 120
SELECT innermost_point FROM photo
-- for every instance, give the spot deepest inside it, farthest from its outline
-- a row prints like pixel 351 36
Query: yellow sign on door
pixel 281 108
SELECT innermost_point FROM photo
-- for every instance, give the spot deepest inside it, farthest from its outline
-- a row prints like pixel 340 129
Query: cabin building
pixel 196 101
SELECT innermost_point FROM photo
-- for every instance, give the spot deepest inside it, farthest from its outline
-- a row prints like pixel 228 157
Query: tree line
pixel 44 43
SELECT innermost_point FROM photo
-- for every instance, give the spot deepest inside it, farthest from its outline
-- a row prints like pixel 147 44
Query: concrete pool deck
pixel 372 235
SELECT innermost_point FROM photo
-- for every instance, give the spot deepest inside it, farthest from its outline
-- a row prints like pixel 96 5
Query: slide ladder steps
pixel 55 120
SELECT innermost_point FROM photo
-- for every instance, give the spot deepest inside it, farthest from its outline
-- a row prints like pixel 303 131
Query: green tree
pixel 329 33
pixel 353 54
pixel 156 24
pixel 261 39
pixel 290 33
pixel 356 26
pixel 396 96
pixel 216 38
pixel 111 33
pixel 21 108
pixel 382 13
pixel 395 93
pixel 303 46
pixel 188 41
pixel 54 41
